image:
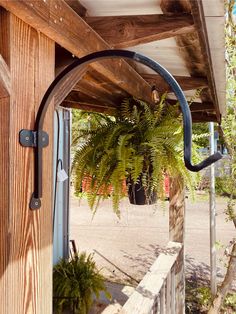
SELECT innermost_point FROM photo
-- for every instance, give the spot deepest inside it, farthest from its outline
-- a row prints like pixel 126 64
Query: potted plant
pixel 76 281
pixel 139 145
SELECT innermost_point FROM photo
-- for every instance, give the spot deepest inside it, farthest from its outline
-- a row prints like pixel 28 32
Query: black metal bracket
pixel 30 138
pixel 38 139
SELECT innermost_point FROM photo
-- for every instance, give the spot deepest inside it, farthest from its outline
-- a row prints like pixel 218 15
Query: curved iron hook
pixel 78 64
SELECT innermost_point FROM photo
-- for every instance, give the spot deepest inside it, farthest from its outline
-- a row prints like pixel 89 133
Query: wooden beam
pixel 175 7
pixel 25 235
pixel 77 7
pixel 177 210
pixel 5 82
pixel 128 31
pixel 204 117
pixel 194 47
pixel 199 20
pixel 154 288
pixel 96 92
pixel 78 99
pixel 197 106
pixel 88 107
pixel 59 22
pixel 185 82
pixel 202 107
pixel 177 234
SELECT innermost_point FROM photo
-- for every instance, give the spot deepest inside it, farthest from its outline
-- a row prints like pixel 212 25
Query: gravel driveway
pixel 125 248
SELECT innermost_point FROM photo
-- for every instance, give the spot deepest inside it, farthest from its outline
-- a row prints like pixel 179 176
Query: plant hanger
pixel 38 139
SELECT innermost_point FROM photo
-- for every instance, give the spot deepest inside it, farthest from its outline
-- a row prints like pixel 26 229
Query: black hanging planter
pixel 138 195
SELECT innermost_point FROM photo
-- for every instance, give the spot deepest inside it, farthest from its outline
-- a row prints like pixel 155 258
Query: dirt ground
pixel 125 248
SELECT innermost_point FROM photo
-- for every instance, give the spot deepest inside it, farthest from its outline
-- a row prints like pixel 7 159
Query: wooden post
pixel 176 234
pixel 25 235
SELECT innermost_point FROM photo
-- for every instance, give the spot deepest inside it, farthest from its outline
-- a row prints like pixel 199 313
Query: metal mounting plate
pixel 28 138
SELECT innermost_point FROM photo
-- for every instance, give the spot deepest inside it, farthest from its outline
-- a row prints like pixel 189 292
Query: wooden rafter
pixel 197 12
pixel 127 31
pixel 81 100
pixel 96 92
pixel 203 117
pixel 197 106
pixel 59 22
pixel 5 82
pixel 185 82
pixel 194 47
pixel 77 7
pixel 202 106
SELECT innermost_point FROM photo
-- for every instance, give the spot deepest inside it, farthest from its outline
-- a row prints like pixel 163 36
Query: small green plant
pixel 75 283
pixel 224 186
pixel 198 299
pixel 230 301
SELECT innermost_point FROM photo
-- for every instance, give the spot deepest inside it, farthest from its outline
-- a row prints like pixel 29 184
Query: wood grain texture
pixel 56 20
pixel 4 201
pixel 4 171
pixel 77 7
pixel 176 210
pixel 186 83
pixel 199 20
pixel 204 117
pixel 177 234
pixel 5 82
pixel 80 100
pixel 26 236
pixel 194 47
pixel 202 108
pixel 143 298
pixel 128 31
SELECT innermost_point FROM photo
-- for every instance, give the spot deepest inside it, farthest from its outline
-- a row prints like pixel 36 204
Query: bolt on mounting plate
pixel 28 138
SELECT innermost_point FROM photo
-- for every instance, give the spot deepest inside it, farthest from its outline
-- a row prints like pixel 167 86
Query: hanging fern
pixel 140 143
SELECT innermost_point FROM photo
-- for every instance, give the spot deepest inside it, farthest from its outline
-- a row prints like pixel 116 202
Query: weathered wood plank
pixel 96 92
pixel 178 6
pixel 177 234
pixel 201 112
pixel 77 7
pixel 5 172
pixel 194 47
pixel 176 210
pixel 185 82
pixel 26 236
pixel 204 117
pixel 143 298
pixel 87 106
pixel 128 31
pixel 79 100
pixel 200 22
pixel 4 202
pixel 5 83
pixel 59 22
pixel 203 108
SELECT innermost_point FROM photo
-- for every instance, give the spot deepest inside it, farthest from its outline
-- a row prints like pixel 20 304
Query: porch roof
pixel 185 36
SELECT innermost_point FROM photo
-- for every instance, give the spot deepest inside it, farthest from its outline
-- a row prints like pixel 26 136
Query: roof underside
pixel 185 36
pixel 194 55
